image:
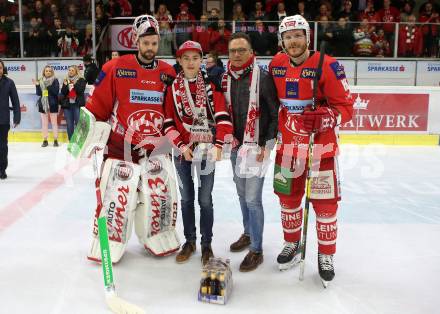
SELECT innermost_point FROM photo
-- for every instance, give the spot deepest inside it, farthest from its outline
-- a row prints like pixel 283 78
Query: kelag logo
pixel 16 68
pixel 379 67
pixel 125 38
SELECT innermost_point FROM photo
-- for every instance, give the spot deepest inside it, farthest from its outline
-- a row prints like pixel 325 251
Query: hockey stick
pixel 309 164
pixel 116 304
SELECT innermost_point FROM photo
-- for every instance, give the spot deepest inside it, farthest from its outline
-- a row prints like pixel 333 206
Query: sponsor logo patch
pixel 279 71
pixel 154 167
pixel 126 73
pixel 138 96
pixel 124 171
pixel 338 69
pixel 308 73
pixel 292 90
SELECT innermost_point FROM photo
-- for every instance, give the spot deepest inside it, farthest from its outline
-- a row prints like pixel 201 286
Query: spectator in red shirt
pixel 184 26
pixel 381 44
pixel 202 34
pixel 389 15
pixel 163 14
pixel 430 31
pixel 410 39
pixel 5 28
pixel 370 14
pixel 220 38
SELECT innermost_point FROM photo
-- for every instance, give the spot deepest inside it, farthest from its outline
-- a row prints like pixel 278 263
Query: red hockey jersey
pixel 131 97
pixel 295 90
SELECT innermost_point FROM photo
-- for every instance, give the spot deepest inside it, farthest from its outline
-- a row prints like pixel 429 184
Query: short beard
pixel 148 56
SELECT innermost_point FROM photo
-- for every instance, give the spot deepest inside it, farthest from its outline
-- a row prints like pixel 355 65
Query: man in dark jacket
pixel 91 71
pixel 251 95
pixel 7 91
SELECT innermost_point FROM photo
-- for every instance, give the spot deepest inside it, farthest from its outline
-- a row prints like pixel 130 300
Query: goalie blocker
pixel 144 194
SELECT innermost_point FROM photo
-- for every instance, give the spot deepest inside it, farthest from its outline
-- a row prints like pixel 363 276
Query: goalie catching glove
pixel 89 135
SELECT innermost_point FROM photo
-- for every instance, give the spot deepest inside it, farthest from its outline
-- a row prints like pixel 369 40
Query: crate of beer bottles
pixel 216 281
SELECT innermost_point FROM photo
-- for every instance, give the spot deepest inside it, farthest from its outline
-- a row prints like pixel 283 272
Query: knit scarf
pixel 71 80
pixel 410 34
pixel 251 132
pixel 200 131
pixel 44 84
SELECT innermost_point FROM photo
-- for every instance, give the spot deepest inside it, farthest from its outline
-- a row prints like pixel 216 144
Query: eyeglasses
pixel 240 51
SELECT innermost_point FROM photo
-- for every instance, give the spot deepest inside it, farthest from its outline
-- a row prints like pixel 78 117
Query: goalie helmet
pixel 144 25
pixel 291 23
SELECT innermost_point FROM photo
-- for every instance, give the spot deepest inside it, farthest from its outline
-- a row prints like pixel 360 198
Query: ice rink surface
pixel 387 261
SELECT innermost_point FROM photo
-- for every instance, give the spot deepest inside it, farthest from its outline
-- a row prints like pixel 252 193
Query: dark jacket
pixel 79 87
pixel 268 107
pixel 215 73
pixel 53 91
pixel 8 91
pixel 91 73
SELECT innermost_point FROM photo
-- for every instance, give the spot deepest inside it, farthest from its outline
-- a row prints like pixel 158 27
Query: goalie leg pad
pixel 119 182
pixel 156 214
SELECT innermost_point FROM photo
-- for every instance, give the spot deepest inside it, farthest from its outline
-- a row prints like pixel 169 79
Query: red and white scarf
pixel 186 107
pixel 410 34
pixel 251 132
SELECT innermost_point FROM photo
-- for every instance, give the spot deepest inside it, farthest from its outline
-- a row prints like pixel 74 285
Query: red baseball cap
pixel 189 45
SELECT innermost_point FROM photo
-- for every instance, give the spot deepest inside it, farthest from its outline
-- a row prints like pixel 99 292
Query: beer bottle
pixel 222 284
pixel 204 282
pixel 213 284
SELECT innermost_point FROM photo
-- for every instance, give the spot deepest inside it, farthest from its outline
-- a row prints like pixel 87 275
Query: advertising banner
pixel 391 73
pixel 121 37
pixel 21 72
pixel 389 112
pixel 428 73
pixel 60 67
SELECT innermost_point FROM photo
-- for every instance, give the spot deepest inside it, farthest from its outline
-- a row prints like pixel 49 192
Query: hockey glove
pixel 319 120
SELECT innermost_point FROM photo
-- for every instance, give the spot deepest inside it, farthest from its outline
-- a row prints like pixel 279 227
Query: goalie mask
pixel 292 23
pixel 144 25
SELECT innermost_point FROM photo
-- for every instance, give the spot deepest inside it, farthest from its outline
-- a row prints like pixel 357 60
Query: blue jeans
pixel 72 117
pixel 205 174
pixel 249 190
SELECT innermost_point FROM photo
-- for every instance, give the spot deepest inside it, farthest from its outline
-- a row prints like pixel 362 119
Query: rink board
pixel 359 139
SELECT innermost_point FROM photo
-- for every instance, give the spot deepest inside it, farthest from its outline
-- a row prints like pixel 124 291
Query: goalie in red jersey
pixel 293 71
pixel 125 116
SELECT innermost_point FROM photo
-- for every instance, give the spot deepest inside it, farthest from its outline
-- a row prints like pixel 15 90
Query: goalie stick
pixel 309 165
pixel 116 304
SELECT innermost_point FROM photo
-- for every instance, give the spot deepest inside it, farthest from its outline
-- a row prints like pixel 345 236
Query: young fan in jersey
pixel 198 124
pixel 293 71
pixel 138 185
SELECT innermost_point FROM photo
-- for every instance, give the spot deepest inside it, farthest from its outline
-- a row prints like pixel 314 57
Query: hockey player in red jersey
pixel 137 183
pixel 293 71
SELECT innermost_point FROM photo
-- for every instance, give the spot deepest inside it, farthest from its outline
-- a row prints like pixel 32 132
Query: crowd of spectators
pixel 363 28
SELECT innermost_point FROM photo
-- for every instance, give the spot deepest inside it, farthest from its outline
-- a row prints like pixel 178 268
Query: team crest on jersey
pixel 100 77
pixel 147 122
pixel 126 73
pixel 308 73
pixel 279 71
pixel 292 90
pixel 338 69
